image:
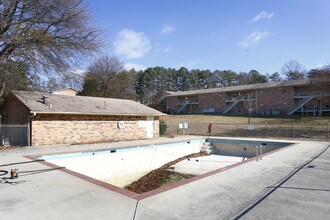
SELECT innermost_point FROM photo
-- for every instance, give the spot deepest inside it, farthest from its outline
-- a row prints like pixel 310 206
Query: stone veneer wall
pixel 73 129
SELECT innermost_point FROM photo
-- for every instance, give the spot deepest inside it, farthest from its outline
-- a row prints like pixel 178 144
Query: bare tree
pixel 293 70
pixel 73 80
pixel 106 77
pixel 249 105
pixel 275 77
pixel 45 35
pixel 320 76
pixel 19 81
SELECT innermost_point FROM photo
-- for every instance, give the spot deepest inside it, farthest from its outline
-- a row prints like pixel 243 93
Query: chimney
pixel 45 99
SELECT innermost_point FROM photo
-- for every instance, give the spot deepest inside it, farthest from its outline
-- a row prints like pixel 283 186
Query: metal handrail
pixel 258 149
pixel 258 152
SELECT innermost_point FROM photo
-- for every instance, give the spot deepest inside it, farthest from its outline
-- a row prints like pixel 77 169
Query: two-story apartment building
pixel 306 97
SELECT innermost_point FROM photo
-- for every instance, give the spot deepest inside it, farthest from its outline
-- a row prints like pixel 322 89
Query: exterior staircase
pixel 232 106
pixel 298 106
pixel 181 109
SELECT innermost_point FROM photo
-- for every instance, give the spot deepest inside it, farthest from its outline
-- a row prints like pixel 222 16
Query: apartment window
pixel 4 118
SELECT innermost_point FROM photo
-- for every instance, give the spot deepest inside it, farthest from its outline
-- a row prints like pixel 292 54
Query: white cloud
pixel 131 44
pixel 129 66
pixel 253 39
pixel 167 29
pixel 189 64
pixel 167 49
pixel 263 15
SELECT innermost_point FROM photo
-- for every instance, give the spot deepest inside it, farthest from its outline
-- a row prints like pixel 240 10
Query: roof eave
pixel 84 113
pixel 233 89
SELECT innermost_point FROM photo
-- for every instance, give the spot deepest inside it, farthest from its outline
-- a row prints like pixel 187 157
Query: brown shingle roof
pixel 242 88
pixel 82 105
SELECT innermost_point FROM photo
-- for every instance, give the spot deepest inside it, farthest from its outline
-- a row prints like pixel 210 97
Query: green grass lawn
pixel 305 121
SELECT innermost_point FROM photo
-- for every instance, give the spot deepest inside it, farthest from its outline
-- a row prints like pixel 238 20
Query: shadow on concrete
pixel 3 172
pixel 299 188
pixel 32 172
pixel 23 162
pixel 317 168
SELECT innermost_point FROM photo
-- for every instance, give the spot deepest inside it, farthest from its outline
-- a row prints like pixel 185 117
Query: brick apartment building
pixel 67 91
pixel 69 119
pixel 304 97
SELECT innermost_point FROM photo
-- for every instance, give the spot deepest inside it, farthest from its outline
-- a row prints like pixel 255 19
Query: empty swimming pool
pixel 226 152
pixel 122 166
pixel 125 165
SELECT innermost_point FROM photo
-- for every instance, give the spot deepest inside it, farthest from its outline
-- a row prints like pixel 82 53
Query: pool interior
pixel 123 166
pixel 239 148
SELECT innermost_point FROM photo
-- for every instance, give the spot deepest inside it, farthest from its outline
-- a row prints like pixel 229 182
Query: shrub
pixel 162 127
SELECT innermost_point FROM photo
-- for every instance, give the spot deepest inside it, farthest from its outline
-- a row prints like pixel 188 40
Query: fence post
pixel 0 127
pixel 237 129
pixel 328 131
pixel 266 129
pixel 28 134
pixel 293 130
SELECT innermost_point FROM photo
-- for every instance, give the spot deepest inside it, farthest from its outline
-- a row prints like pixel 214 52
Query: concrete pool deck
pixel 292 183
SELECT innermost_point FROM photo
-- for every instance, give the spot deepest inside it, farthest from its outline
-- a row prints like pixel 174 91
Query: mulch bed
pixel 161 176
pixel 8 147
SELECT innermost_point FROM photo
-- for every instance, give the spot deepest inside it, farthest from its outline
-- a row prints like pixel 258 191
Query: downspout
pixel 256 102
pixel 0 127
pixel 30 128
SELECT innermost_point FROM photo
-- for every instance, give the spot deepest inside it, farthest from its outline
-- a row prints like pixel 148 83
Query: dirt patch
pixel 161 176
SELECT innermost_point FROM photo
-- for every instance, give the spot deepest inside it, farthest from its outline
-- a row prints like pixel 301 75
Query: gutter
pixel 83 113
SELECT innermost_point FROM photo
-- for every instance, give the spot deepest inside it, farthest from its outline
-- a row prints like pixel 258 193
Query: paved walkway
pixel 288 184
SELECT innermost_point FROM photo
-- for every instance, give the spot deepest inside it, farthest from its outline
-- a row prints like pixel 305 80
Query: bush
pixel 162 127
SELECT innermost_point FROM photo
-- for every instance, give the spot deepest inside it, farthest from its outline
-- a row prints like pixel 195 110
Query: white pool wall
pixel 125 166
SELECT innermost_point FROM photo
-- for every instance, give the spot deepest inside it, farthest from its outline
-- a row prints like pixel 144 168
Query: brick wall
pixel 50 129
pixel 275 99
pixel 212 100
pixel 172 104
pixel 14 112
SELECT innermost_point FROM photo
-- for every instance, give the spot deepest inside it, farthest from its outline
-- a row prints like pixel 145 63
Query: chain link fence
pixel 14 135
pixel 261 130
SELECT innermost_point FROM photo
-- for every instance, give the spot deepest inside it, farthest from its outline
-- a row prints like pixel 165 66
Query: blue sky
pixel 215 34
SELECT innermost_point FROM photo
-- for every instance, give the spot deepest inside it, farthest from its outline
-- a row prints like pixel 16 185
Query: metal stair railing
pixel 258 149
pixel 180 110
pixel 298 106
pixel 232 106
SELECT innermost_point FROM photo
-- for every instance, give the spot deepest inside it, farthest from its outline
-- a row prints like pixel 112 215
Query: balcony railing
pixel 310 94
pixel 305 94
pixel 188 102
pixel 242 98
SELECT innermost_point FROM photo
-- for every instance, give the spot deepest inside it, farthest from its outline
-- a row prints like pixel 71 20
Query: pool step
pixel 207 148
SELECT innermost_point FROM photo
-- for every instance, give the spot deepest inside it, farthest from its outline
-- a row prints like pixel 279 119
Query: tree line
pixel 106 77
